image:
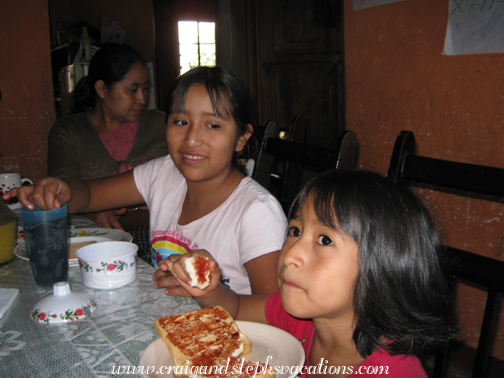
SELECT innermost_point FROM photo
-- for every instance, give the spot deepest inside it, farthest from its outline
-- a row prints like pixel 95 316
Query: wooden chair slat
pixel 469 180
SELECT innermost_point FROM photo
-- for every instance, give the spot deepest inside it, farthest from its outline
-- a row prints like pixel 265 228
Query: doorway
pixel 291 55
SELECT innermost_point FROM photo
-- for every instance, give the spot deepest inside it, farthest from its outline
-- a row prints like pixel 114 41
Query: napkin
pixel 7 296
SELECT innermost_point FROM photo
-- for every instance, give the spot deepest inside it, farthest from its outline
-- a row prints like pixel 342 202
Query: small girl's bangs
pixel 333 203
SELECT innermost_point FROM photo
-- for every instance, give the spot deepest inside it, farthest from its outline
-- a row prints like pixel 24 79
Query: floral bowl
pixel 108 265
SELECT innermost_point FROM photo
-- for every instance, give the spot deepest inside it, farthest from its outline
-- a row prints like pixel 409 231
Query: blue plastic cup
pixel 46 238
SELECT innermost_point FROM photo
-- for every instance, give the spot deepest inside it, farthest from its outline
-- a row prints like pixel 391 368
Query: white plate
pixel 79 235
pixel 284 349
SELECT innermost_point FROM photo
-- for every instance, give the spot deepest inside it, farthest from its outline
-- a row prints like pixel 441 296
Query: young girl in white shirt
pixel 196 195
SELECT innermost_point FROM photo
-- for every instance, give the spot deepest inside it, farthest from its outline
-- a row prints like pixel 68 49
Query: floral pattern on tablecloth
pixel 116 334
pixel 8 342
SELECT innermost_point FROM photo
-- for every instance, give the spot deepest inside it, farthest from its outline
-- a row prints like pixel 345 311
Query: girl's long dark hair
pixel 221 84
pixel 402 299
pixel 110 63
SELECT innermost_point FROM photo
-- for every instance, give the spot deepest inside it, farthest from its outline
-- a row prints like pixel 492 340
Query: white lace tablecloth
pixel 116 334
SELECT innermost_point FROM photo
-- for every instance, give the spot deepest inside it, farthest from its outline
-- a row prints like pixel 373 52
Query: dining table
pixel 102 344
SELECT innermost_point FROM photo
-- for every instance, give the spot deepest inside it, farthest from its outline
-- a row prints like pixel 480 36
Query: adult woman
pixel 109 131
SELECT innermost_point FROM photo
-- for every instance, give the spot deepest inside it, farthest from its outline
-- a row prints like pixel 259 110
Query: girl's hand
pixel 173 275
pixel 48 193
pixel 164 278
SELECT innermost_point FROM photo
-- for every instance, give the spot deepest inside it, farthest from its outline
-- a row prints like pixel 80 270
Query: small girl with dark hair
pixel 360 276
pixel 196 196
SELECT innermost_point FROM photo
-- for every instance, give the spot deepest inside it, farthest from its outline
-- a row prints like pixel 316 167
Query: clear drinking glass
pixel 46 238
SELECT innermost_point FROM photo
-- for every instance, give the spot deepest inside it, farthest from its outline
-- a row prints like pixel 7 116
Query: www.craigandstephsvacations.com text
pixel 257 369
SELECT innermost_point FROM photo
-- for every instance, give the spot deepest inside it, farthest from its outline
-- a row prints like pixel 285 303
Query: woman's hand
pixel 48 193
pixel 173 276
pixel 106 219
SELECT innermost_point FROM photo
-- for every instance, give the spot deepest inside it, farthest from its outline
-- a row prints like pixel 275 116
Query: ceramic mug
pixel 9 181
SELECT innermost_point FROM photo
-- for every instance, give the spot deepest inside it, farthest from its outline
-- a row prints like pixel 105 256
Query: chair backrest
pixel 298 129
pixel 346 149
pixel 466 180
pixel 295 157
pixel 288 177
pixel 265 162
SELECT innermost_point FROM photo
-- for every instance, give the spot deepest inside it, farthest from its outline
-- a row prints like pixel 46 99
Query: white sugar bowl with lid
pixel 108 265
pixel 62 306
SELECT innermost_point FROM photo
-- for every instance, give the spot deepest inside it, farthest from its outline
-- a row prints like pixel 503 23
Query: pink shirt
pixel 119 143
pixel 379 364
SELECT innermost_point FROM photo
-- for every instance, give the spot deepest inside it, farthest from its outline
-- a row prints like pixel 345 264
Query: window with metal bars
pixel 196 44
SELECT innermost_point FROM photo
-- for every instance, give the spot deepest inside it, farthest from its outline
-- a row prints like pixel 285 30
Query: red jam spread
pixel 201 267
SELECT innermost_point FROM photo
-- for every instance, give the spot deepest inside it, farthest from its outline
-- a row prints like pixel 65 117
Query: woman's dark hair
pixel 402 300
pixel 110 63
pixel 221 84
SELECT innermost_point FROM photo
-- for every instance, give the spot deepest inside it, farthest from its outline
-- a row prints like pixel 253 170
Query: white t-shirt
pixel 250 223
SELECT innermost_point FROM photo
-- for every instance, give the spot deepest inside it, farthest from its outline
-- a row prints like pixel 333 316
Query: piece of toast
pixel 199 271
pixel 73 247
pixel 185 335
pixel 209 341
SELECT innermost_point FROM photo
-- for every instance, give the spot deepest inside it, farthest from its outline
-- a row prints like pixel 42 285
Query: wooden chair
pixel 287 170
pixel 265 162
pixel 298 156
pixel 467 180
pixel 298 129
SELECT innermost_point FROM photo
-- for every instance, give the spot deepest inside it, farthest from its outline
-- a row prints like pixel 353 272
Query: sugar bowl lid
pixel 62 306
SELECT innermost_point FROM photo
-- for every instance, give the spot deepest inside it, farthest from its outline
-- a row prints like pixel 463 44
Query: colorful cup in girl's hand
pixel 46 238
